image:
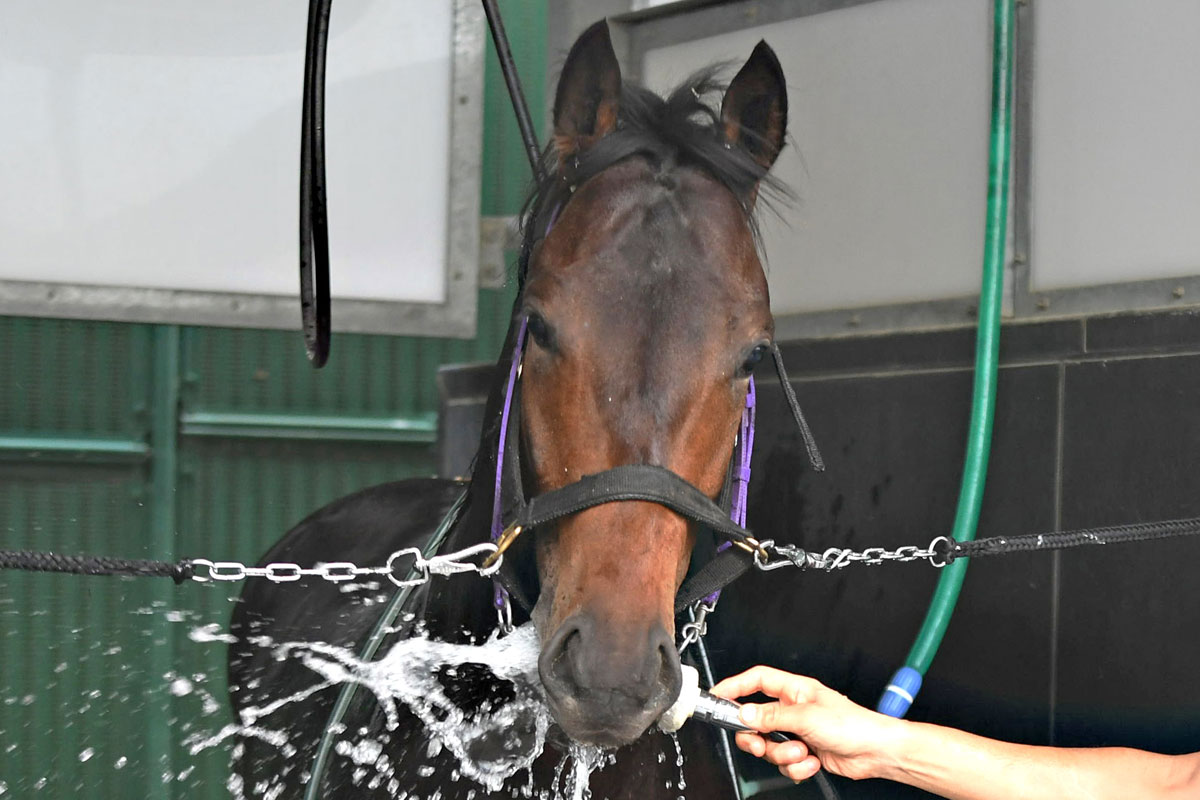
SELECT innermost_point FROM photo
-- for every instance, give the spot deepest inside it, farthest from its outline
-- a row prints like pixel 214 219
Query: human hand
pixel 835 732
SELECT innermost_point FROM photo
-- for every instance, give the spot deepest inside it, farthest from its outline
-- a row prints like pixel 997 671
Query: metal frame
pixel 454 317
pixel 638 29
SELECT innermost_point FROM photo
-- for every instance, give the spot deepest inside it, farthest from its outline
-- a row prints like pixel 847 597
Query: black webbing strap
pixel 630 482
pixel 650 484
pixel 810 444
pixel 29 561
pixel 718 572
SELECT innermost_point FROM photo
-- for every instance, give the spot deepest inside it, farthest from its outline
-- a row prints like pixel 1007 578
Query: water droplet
pixel 86 754
pixel 210 633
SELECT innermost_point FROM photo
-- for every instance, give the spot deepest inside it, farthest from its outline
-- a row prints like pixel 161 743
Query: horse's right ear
pixel 589 93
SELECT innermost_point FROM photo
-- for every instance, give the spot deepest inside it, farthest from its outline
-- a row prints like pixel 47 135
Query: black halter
pixel 515 513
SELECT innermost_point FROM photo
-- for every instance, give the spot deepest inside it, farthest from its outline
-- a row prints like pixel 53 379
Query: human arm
pixel 850 740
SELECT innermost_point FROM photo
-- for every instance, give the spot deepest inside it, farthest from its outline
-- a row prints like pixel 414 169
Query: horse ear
pixel 754 111
pixel 589 93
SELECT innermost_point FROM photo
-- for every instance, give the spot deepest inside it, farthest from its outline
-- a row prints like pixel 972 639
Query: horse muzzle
pixel 606 687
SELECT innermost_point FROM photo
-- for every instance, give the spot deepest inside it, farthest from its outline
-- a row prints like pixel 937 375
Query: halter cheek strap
pixel 501 594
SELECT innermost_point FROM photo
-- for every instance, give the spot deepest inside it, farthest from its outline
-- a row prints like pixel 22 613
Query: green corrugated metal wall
pixel 132 440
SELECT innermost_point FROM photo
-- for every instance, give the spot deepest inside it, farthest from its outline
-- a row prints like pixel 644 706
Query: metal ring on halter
pixel 762 556
pixel 754 547
pixel 503 542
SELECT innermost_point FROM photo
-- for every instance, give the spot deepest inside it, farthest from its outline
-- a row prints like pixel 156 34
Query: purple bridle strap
pixel 741 477
pixel 501 594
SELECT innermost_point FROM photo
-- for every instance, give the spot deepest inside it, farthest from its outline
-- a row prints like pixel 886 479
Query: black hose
pixel 513 82
pixel 314 219
pixel 826 786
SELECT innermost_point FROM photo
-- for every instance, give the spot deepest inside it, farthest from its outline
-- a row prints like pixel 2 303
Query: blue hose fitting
pixel 900 693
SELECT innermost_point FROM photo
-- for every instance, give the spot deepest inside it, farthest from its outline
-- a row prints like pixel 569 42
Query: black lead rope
pixel 1114 534
pixel 31 561
pixel 314 219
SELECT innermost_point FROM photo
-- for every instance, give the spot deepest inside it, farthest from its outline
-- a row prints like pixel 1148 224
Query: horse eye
pixel 539 330
pixel 752 360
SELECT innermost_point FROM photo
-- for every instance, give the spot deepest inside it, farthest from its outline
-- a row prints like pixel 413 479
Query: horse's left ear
pixel 754 111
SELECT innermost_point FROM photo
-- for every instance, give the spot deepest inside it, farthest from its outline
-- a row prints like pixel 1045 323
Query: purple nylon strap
pixel 500 595
pixel 741 475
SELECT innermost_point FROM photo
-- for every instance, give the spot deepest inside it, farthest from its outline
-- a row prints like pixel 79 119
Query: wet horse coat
pixel 647 308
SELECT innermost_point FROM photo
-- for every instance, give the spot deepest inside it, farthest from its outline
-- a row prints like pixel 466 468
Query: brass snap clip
pixel 505 541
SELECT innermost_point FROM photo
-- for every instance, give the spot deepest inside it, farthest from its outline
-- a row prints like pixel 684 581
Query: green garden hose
pixel 906 683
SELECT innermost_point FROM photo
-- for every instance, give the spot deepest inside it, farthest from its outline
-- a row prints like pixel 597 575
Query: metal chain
pixel 834 558
pixel 465 560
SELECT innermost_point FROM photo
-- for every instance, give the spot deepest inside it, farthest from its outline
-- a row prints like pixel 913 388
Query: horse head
pixel 647 309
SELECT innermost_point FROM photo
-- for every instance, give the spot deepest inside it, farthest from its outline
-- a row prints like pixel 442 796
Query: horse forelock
pixel 679 129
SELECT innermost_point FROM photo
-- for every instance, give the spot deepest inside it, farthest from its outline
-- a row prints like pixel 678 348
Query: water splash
pixel 492 742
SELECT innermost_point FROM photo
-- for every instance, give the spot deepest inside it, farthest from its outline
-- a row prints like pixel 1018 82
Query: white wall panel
pixel 889 114
pixel 156 144
pixel 1116 142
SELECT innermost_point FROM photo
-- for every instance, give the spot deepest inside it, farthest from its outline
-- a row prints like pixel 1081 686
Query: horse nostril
pixel 556 664
pixel 670 677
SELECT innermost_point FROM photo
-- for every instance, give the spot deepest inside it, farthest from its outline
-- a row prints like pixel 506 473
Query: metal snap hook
pixel 503 542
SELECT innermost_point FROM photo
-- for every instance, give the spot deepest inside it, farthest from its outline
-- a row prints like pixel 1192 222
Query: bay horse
pixel 646 309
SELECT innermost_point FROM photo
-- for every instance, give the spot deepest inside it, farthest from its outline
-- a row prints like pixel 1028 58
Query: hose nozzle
pixel 696 703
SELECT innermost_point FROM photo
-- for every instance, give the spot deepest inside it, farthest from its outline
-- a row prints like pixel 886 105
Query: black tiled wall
pixel 1097 423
